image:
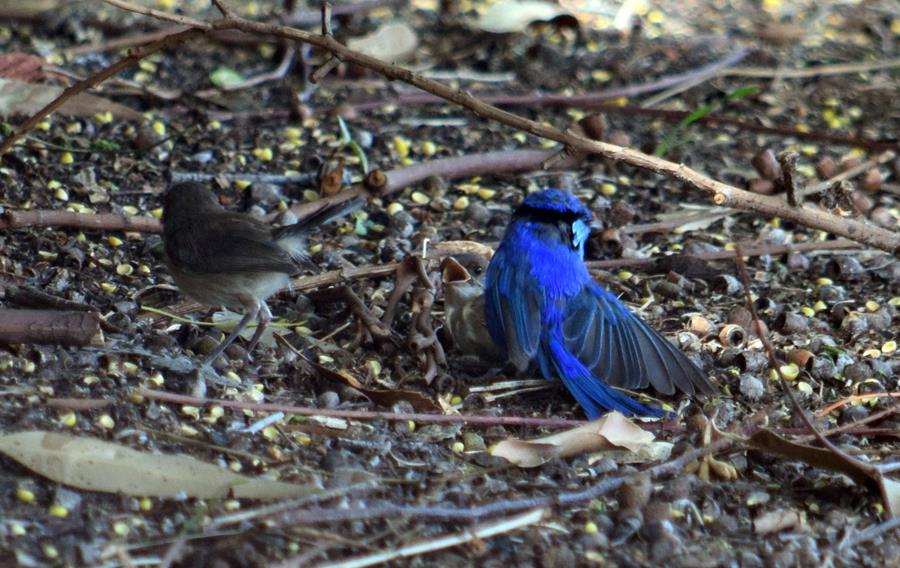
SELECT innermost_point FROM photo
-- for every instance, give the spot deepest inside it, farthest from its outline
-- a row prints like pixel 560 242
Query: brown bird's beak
pixel 452 272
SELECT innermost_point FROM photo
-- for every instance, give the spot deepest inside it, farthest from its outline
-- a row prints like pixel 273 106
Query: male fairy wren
pixel 542 307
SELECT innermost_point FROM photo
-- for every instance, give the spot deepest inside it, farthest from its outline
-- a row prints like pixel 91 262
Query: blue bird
pixel 542 306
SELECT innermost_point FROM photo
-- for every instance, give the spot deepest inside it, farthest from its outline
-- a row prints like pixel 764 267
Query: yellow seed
pixel 66 158
pixel 53 184
pixel 91 380
pixel 191 411
pixel 591 527
pixel 486 194
pixel 159 128
pixel 456 399
pixel 302 438
pixel 124 269
pixel 232 505
pixel 461 203
pixel 820 306
pixel 231 375
pixel 872 306
pixel 61 194
pixel 429 148
pixel 25 495
pixel 292 133
pixel 520 137
pixel 458 447
pixel 145 504
pixel 270 433
pixel 804 387
pixel 895 301
pixel 889 346
pixel 655 17
pixel 801 128
pixel 157 212
pixel 624 275
pixel 44 125
pixel 242 184
pixel 104 117
pixel 121 528
pixel 235 466
pixel 114 241
pixel 263 154
pixel 873 353
pixel 790 371
pixel 394 208
pixel 106 421
pixel 135 398
pixel 824 282
pixel 189 431
pixel 69 419
pixel 401 146
pixel 213 125
pixel 419 198
pixel 29 367
pixel 809 150
pixel 147 66
pixel 166 4
pixel 410 426
pixel 807 311
pixel 157 379
pixel 608 189
pixel 108 287
pixel 57 510
pixel 50 551
pixel 16 528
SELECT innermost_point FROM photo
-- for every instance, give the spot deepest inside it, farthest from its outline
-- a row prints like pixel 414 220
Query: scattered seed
pixel 106 421
pixel 419 198
pixel 66 158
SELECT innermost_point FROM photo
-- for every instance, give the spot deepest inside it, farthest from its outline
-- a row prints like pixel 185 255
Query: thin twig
pixel 435 543
pixel 364 414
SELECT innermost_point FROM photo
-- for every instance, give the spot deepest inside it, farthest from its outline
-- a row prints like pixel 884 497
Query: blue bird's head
pixel 559 212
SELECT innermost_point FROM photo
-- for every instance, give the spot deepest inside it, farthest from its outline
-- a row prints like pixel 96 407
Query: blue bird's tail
pixel 594 395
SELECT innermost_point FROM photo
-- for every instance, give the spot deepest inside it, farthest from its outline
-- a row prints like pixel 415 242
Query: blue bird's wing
pixel 624 351
pixel 513 307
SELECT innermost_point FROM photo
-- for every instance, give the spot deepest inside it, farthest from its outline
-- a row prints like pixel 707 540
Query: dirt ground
pixel 830 313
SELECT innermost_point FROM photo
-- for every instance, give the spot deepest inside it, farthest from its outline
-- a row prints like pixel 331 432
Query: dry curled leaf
pixel 97 465
pixel 611 431
pixel 21 98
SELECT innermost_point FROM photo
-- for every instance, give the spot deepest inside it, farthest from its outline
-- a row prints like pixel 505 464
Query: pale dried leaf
pixel 21 98
pixel 611 431
pixel 508 16
pixel 392 42
pixel 97 465
pixel 778 520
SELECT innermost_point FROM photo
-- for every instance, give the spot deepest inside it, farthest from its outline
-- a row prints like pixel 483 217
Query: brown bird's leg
pixel 248 317
pixel 263 317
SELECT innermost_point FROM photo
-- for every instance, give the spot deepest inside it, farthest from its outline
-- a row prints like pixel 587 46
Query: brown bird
pixel 464 308
pixel 219 258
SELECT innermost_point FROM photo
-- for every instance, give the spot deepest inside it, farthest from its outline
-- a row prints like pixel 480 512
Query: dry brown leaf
pixel 97 465
pixel 21 98
pixel 861 473
pixel 419 401
pixel 22 66
pixel 611 431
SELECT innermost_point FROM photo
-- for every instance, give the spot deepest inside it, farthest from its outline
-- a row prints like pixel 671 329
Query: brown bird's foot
pixel 263 317
pixel 248 317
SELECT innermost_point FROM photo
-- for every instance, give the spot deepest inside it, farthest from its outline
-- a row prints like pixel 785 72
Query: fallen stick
pixel 50 327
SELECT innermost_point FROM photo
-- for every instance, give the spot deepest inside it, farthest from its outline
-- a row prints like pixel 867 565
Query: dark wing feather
pixel 624 351
pixel 226 243
pixel 513 307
